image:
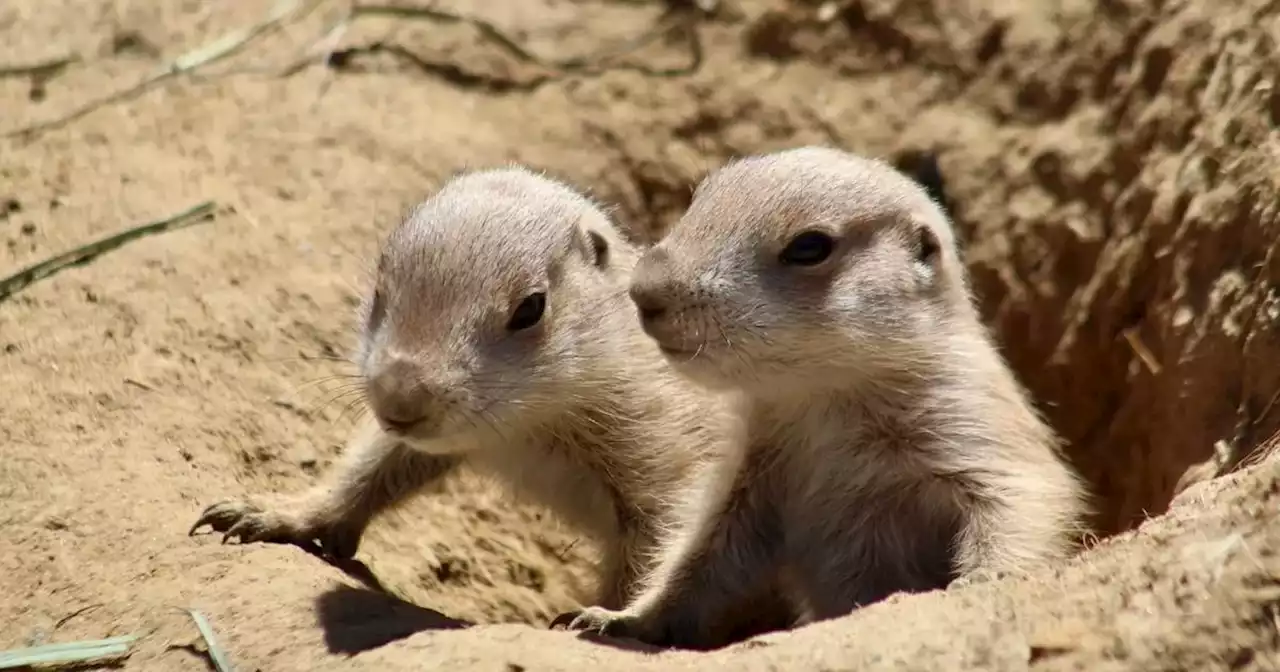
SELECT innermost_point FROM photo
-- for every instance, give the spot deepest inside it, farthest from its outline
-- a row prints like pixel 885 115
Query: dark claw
pixel 240 531
pixel 220 517
pixel 563 620
pixel 251 528
pixel 232 519
pixel 206 518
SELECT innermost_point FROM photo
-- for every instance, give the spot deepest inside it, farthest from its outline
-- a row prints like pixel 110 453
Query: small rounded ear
pixel 927 246
pixel 594 246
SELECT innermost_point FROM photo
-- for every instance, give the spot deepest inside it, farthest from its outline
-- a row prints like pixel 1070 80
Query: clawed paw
pixel 244 521
pixel 979 576
pixel 250 523
pixel 598 620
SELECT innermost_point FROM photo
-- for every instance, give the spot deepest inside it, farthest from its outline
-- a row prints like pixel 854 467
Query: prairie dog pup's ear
pixel 594 245
pixel 926 248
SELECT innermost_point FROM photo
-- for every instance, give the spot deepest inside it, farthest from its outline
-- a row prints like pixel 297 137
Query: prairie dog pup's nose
pixel 398 396
pixel 649 302
pixel 652 289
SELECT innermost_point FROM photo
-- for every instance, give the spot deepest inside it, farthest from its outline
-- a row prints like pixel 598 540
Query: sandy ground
pixel 1114 165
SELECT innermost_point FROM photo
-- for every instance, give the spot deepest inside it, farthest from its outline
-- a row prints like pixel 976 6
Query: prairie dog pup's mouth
pixel 450 444
pixel 678 349
pixel 673 351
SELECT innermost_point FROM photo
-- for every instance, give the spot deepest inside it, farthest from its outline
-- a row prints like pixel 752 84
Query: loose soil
pixel 1115 170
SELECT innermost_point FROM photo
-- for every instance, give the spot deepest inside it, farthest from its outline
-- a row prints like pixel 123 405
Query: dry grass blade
pixel 68 652
pixel 511 46
pixel 590 65
pixel 216 50
pixel 41 69
pixel 216 652
pixel 487 29
pixel 86 253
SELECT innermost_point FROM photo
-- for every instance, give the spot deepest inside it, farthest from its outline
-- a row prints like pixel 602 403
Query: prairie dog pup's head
pixel 484 305
pixel 790 267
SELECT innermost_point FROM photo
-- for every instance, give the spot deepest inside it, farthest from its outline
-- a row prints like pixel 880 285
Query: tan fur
pixel 579 413
pixel 888 447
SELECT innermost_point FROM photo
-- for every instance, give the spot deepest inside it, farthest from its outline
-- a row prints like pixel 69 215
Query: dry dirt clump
pixel 1114 168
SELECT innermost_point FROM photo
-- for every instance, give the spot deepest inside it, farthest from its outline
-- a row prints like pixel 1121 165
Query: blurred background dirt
pixel 1114 166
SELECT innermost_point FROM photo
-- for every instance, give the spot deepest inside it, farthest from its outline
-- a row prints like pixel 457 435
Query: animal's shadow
pixel 358 619
pixel 620 643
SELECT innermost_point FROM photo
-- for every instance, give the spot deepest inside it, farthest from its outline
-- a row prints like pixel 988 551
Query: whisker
pixel 346 398
pixel 354 404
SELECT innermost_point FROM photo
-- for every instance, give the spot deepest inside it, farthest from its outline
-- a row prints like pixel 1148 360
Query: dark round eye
pixel 807 249
pixel 529 312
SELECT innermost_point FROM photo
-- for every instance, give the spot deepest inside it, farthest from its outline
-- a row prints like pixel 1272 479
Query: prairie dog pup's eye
pixel 529 312
pixel 809 248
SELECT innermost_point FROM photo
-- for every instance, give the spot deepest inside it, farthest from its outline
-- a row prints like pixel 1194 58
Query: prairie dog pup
pixel 498 333
pixel 888 446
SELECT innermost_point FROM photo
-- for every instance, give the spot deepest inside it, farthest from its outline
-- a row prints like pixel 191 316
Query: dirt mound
pixel 1112 165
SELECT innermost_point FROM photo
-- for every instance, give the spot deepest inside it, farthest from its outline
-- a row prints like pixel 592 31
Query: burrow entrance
pixel 1110 183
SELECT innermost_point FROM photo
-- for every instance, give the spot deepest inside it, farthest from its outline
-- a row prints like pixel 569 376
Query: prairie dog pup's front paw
pixel 980 576
pixel 647 629
pixel 600 621
pixel 251 522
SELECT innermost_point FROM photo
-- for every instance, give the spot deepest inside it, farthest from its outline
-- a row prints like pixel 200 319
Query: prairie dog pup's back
pixel 889 446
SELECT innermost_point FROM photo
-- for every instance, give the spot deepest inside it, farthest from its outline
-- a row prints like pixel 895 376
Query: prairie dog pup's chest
pixel 831 449
pixel 809 430
pixel 551 475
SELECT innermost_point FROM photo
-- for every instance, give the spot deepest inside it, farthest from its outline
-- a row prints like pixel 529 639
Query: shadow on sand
pixel 358 619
